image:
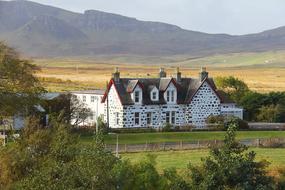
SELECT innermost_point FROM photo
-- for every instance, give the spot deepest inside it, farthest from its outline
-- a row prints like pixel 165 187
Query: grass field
pixel 263 72
pixel 180 159
pixel 142 138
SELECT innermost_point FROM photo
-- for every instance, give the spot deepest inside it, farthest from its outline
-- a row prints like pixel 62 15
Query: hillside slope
pixel 40 30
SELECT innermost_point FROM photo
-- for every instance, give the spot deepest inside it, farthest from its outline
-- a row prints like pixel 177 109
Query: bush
pixel 167 127
pixel 220 122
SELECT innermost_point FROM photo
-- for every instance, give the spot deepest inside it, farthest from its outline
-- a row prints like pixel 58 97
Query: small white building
pixel 152 102
pixel 92 99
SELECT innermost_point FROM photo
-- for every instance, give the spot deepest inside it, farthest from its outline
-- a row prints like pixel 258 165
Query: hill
pixel 43 31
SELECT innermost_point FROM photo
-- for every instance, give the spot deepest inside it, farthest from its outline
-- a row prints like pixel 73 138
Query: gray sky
pixel 212 16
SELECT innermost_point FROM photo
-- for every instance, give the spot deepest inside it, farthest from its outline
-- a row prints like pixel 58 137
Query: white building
pixel 152 102
pixel 92 99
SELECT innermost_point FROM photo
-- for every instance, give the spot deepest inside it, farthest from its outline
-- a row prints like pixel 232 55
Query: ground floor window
pixel 117 118
pixel 137 118
pixel 148 118
pixel 170 117
pixel 173 117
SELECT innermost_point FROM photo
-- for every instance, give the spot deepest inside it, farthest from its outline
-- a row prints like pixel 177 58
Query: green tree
pixel 231 166
pixel 268 113
pixel 19 88
pixel 67 108
pixel 234 87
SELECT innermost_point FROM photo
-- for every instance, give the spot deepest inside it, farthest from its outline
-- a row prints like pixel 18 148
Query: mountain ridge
pixel 45 31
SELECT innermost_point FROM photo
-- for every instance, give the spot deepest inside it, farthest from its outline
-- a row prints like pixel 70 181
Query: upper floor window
pixel 84 98
pixel 154 96
pixel 137 96
pixel 92 98
pixel 170 95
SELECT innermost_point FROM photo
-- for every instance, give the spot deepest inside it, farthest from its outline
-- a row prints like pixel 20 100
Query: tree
pixel 19 88
pixel 234 87
pixel 67 109
pixel 268 113
pixel 231 166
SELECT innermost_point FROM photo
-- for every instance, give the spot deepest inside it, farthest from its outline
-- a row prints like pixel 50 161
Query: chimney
pixel 162 73
pixel 203 74
pixel 178 75
pixel 116 75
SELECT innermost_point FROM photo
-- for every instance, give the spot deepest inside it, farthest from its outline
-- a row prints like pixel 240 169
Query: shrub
pixel 220 122
pixel 167 127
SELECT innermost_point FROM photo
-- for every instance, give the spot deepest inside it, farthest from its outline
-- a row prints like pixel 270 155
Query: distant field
pixel 180 159
pixel 263 72
pixel 141 138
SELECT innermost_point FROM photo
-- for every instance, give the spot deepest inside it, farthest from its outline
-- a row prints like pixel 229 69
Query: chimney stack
pixel 178 75
pixel 116 75
pixel 162 73
pixel 203 74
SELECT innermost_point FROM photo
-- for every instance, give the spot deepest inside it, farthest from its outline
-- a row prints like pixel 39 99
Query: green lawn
pixel 180 159
pixel 142 138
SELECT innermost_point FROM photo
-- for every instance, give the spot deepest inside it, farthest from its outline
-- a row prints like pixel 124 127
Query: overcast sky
pixel 212 16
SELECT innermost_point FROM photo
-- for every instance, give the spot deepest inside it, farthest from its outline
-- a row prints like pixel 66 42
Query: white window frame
pixel 149 118
pixel 168 95
pixel 173 117
pixel 117 118
pixel 84 98
pixel 167 117
pixel 137 96
pixel 93 98
pixel 137 117
pixel 170 117
pixel 154 96
pixel 172 94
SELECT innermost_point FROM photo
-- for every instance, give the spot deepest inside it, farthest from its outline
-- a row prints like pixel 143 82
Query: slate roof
pixel 186 89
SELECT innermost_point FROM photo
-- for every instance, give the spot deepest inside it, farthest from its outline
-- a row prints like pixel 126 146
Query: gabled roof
pixel 186 89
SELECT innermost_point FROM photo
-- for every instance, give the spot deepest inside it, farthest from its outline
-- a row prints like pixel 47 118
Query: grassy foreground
pixel 180 159
pixel 142 138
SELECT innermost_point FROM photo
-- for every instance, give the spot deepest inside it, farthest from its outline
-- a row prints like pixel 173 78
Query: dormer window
pixel 137 96
pixel 170 96
pixel 154 96
pixel 154 93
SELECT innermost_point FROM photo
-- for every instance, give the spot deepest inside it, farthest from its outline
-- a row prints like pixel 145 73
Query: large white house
pixel 152 102
pixel 91 99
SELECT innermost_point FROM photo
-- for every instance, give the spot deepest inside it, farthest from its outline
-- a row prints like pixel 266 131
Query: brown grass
pixel 97 75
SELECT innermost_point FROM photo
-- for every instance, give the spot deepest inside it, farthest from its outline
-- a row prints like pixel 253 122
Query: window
pixel 173 117
pixel 148 118
pixel 168 117
pixel 137 118
pixel 167 95
pixel 92 98
pixel 154 96
pixel 84 98
pixel 172 95
pixel 137 96
pixel 91 116
pixel 117 119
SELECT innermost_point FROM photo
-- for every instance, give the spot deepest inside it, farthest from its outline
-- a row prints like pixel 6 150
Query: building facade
pixel 153 102
pixel 91 99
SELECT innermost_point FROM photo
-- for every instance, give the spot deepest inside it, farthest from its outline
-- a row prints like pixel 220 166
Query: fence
pixel 182 145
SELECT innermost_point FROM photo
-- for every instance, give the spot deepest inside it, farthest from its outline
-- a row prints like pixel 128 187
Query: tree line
pixel 261 107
